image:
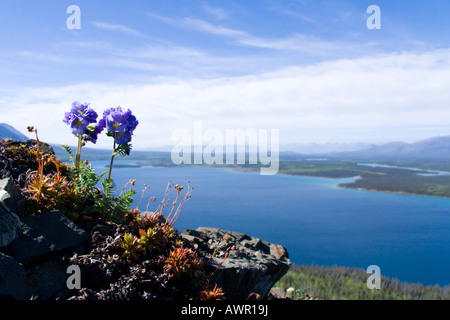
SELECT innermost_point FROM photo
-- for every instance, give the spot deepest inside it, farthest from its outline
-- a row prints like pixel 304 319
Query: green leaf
pixel 123 149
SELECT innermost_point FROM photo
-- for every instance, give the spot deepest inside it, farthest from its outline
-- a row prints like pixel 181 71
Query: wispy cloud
pixel 207 27
pixel 167 57
pixel 200 25
pixel 216 12
pixel 117 28
pixel 299 43
pixel 297 15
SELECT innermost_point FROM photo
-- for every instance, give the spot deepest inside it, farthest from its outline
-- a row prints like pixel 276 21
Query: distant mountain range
pixel 432 148
pixel 325 148
pixel 7 131
pixel 437 148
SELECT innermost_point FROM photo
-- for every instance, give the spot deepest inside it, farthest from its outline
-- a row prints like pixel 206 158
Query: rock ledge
pixel 252 266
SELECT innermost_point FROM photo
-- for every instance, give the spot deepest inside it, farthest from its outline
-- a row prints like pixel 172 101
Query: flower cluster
pixel 79 118
pixel 120 123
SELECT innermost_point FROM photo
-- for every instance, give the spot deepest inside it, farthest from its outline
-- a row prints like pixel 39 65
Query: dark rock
pixel 11 196
pixel 103 229
pixel 46 280
pixel 251 267
pixel 12 279
pixel 44 148
pixel 43 235
pixel 9 224
pixel 39 282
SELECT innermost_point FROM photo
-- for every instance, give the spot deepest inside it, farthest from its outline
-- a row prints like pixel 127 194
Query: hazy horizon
pixel 283 147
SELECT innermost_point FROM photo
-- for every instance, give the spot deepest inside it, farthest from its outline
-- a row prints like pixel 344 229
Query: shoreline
pixel 339 185
pixel 394 192
pixel 253 170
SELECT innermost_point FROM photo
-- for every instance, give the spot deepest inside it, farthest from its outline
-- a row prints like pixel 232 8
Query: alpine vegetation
pixel 133 249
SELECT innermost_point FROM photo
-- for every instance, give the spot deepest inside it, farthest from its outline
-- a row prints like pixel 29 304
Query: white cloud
pixel 389 97
pixel 207 27
pixel 297 43
pixel 216 12
pixel 116 27
pixel 202 26
pixel 278 7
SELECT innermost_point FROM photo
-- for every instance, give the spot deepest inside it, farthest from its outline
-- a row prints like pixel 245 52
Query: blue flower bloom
pixel 123 137
pixel 79 117
pixel 120 123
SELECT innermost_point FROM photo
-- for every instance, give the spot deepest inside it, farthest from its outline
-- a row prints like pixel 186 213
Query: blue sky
pixel 310 68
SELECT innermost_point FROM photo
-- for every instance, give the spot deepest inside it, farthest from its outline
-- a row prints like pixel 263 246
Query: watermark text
pixel 374 280
pixel 374 21
pixel 74 20
pixel 234 146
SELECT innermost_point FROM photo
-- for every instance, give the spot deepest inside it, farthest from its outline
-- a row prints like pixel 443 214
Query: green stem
pixel 112 160
pixel 109 176
pixel 78 156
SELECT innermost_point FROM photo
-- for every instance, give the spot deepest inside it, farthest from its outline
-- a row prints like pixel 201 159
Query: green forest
pixel 344 283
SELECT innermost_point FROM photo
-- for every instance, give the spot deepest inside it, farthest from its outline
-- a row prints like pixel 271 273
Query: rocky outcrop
pixel 12 197
pixel 13 279
pixel 43 235
pixel 244 266
pixel 41 281
pixel 16 160
pixel 9 226
pixel 27 244
pixel 11 203
pixel 26 266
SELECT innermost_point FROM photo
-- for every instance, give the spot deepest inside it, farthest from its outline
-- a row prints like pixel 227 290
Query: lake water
pixel 408 237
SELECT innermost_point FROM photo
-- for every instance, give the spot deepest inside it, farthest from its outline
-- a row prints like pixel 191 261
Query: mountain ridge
pixel 8 131
pixel 430 148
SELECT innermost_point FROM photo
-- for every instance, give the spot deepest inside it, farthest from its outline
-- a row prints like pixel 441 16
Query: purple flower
pixel 79 117
pixel 120 123
pixel 123 137
pixel 91 133
pixel 84 110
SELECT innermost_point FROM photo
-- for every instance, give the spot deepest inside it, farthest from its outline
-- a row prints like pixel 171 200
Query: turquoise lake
pixel 407 236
